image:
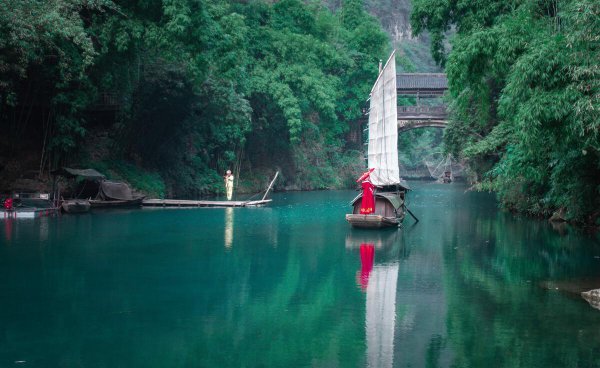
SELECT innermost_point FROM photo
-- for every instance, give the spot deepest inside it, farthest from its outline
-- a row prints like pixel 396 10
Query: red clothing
pixel 8 204
pixel 367 256
pixel 367 205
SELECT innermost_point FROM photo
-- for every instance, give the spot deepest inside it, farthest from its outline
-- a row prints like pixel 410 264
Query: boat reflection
pixel 228 227
pixel 380 253
pixel 388 245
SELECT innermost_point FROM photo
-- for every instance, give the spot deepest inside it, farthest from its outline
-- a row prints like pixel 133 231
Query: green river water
pixel 289 285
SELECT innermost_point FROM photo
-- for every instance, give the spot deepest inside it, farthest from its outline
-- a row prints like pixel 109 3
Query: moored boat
pixel 105 193
pixel 28 212
pixel 115 194
pixel 76 205
pixel 28 205
pixel 112 203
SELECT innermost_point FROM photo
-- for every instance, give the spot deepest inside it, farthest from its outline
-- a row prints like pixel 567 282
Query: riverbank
pixel 22 174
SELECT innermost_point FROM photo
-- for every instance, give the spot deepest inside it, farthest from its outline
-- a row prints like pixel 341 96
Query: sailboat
pixel 390 190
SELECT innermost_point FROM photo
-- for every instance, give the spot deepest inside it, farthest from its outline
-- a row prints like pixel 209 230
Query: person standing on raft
pixel 367 206
pixel 229 185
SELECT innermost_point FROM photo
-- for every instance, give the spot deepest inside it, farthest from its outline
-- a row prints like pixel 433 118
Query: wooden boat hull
pixel 28 212
pixel 30 205
pixel 137 202
pixel 76 205
pixel 371 221
pixel 389 211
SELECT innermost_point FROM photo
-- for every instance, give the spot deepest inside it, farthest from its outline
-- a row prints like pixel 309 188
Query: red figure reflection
pixel 8 227
pixel 367 206
pixel 367 255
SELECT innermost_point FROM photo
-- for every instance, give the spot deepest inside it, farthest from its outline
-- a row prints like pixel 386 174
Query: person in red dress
pixel 8 204
pixel 367 206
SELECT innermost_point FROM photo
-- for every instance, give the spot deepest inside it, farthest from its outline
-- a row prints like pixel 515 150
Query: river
pixel 292 285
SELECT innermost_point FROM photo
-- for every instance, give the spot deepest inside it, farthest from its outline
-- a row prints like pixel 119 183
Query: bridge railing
pixel 106 101
pixel 422 112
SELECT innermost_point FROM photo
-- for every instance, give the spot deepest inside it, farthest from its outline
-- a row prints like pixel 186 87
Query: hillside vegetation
pixel 525 98
pixel 170 94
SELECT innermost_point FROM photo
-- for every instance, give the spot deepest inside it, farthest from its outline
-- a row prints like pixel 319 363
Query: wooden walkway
pixel 192 203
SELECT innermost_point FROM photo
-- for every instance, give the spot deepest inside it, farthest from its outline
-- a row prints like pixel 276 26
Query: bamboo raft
pixel 202 203
pixel 192 203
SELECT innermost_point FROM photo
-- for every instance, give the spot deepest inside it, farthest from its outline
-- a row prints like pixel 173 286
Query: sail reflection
pixel 379 280
pixel 381 315
pixel 228 227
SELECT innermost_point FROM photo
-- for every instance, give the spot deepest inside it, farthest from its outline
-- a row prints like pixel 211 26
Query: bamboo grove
pixel 524 82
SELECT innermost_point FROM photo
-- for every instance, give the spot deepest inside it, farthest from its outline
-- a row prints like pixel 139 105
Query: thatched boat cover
pixel 113 190
pixel 89 174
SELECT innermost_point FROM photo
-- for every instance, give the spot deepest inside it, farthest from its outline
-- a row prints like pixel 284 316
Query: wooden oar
pixel 270 185
pixel 412 214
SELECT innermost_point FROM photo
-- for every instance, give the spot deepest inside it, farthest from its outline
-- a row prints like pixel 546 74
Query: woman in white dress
pixel 229 185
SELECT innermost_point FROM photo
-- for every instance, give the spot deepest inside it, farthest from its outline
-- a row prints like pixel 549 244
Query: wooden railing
pixel 422 112
pixel 106 101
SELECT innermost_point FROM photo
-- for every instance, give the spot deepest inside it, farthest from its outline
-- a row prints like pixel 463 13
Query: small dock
pixel 174 203
pixel 193 203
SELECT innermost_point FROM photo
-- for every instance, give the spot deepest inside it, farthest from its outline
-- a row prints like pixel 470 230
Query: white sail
pixel 383 129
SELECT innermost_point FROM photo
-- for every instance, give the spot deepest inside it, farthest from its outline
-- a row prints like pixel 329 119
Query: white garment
pixel 229 186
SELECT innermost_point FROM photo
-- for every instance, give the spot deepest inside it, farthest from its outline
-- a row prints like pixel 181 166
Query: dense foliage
pixel 525 97
pixel 199 86
pixel 418 146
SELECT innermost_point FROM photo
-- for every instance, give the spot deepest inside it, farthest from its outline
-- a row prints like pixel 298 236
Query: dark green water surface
pixel 290 286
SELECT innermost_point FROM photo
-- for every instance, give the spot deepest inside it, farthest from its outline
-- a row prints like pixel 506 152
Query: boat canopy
pixel 113 190
pixel 89 174
pixel 394 199
pixel 383 127
pixel 391 197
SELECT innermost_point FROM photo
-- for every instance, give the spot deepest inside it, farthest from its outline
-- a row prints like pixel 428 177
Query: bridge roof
pixel 421 82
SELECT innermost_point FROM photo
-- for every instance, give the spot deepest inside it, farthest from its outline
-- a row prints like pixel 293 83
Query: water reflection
pixel 8 229
pixel 389 245
pixel 458 289
pixel 381 315
pixel 43 224
pixel 492 277
pixel 367 254
pixel 228 227
pixel 379 280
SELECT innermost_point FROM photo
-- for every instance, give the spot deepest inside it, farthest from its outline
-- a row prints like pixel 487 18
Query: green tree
pixel 524 98
pixel 194 86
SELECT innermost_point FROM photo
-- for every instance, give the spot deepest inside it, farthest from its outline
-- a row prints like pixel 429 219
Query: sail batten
pixel 383 131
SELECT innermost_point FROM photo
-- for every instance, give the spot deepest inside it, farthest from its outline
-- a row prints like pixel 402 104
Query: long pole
pixel 412 214
pixel 270 185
